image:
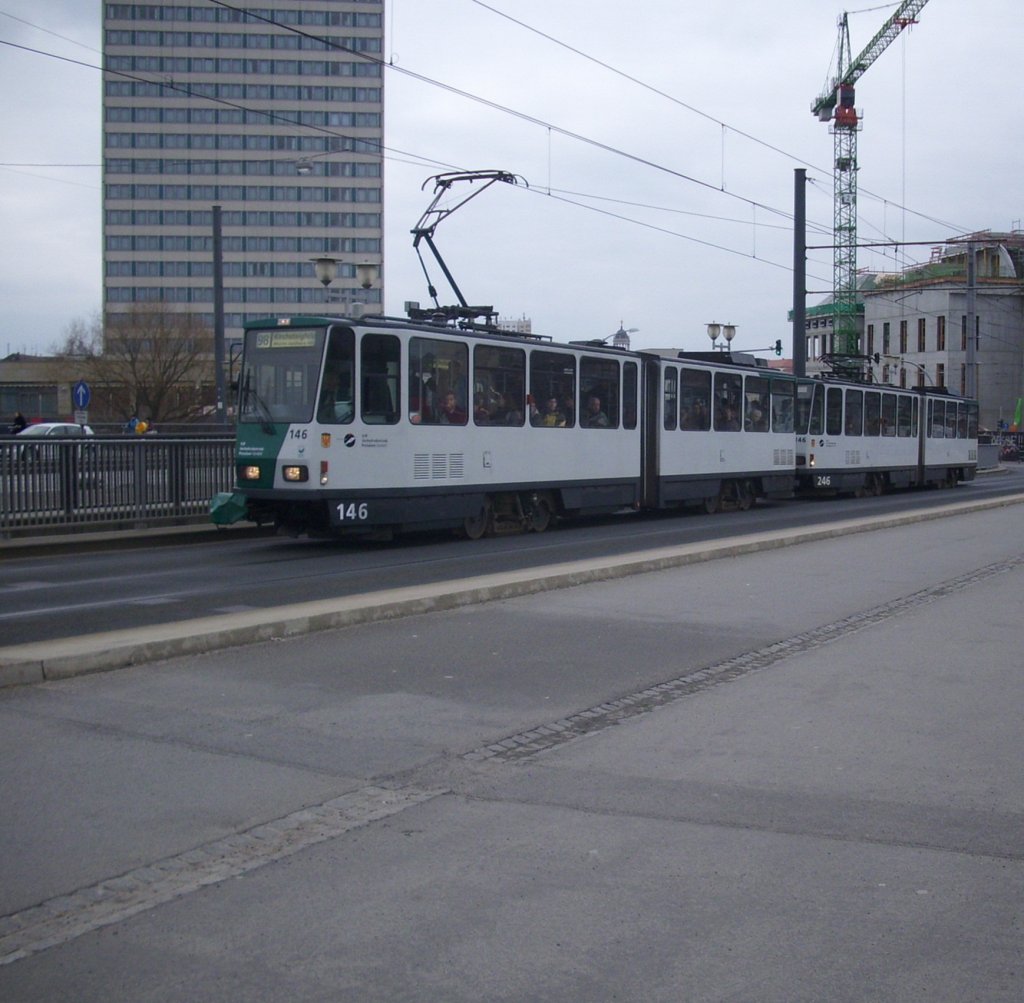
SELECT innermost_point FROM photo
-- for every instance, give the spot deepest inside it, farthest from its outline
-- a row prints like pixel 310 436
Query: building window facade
pixel 298 169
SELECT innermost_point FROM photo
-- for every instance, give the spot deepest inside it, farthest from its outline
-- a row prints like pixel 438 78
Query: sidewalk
pixel 789 775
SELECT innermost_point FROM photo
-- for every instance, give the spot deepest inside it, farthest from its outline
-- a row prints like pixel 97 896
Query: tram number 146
pixel 352 511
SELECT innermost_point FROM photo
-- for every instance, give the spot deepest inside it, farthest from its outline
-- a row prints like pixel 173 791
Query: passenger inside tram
pixel 595 416
pixel 450 414
pixel 549 416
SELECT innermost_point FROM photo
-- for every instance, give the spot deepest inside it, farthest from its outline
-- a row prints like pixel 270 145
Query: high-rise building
pixel 275 114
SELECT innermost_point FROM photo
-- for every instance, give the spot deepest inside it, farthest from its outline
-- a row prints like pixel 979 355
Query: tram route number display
pixel 348 512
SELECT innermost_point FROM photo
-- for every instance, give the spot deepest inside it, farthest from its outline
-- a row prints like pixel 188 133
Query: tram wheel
pixel 745 496
pixel 712 504
pixel 476 526
pixel 539 513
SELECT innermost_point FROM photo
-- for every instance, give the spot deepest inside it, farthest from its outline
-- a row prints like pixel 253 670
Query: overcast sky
pixel 661 201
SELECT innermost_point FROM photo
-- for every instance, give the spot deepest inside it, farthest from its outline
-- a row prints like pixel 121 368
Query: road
pixel 68 595
pixel 789 776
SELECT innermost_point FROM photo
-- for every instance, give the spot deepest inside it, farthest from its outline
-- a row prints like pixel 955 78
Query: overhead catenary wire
pixel 417 158
pixel 825 173
pixel 280 118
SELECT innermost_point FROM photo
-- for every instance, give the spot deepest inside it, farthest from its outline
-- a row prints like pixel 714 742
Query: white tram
pixel 720 432
pixel 866 439
pixel 374 425
pixel 379 424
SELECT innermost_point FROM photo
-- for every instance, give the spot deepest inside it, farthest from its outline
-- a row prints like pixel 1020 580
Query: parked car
pixel 1009 452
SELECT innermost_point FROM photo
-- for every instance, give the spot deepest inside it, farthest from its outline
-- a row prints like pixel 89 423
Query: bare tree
pixel 83 339
pixel 156 363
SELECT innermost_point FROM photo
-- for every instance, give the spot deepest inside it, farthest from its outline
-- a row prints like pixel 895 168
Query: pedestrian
pixel 19 423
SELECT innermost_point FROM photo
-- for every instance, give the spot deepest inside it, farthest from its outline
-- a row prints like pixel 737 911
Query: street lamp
pixel 367 272
pixel 727 331
pixel 326 270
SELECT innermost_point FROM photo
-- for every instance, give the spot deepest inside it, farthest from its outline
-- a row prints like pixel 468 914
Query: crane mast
pixel 836 105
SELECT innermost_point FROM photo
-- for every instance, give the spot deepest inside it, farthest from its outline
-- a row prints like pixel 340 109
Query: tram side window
pixel 380 361
pixel 437 382
pixel 888 414
pixel 552 399
pixel 904 416
pixel 728 400
pixel 936 419
pixel 756 404
pixel 695 400
pixel 951 419
pixel 854 423
pixel 834 411
pixel 630 372
pixel 499 382
pixel 972 420
pixel 782 405
pixel 961 421
pixel 872 413
pixel 670 397
pixel 335 405
pixel 599 393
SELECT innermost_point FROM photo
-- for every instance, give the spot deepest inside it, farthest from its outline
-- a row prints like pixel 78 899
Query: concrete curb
pixel 90 541
pixel 61 659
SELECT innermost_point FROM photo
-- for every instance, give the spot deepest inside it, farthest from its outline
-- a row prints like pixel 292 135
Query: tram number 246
pixel 352 511
pixel 823 481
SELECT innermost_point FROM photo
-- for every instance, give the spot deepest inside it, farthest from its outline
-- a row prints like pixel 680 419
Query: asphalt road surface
pixel 69 594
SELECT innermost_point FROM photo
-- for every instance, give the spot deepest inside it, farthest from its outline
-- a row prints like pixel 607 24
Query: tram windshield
pixel 280 369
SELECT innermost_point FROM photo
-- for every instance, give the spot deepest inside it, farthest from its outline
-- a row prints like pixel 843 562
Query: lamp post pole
pixel 218 316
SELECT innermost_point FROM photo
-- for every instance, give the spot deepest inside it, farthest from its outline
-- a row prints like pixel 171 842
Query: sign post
pixel 80 397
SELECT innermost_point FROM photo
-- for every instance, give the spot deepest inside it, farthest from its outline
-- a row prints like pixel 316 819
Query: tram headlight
pixel 323 472
pixel 810 460
pixel 295 474
pixel 250 472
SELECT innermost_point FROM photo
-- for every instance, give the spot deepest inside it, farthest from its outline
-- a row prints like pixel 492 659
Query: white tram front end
pixel 864 439
pixel 373 424
pixel 720 432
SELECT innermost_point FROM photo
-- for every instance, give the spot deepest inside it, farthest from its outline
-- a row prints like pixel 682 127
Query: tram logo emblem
pixel 325 439
pixel 350 440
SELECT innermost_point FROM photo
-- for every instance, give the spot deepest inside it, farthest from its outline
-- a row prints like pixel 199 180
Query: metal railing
pixel 99 483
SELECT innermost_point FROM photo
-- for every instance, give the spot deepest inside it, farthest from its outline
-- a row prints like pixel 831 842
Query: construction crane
pixel 836 105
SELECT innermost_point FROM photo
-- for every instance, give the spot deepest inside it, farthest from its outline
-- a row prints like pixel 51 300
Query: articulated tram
pixel 377 425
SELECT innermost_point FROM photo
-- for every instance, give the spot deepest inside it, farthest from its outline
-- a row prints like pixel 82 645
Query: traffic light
pixel 778 346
